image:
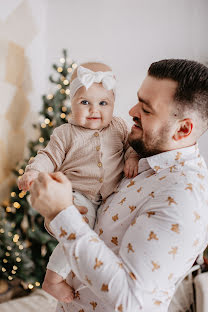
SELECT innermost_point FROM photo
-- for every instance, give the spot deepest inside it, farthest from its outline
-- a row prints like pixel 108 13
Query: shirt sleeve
pixel 51 157
pixel 58 262
pixel 156 250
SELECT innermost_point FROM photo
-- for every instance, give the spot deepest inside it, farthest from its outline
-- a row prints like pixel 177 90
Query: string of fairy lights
pixel 9 249
pixel 66 91
pixel 63 88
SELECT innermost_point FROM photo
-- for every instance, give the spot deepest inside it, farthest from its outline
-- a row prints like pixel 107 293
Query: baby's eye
pixel 103 103
pixel 84 102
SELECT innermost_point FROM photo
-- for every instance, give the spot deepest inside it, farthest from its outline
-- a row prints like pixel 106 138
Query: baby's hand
pixel 131 167
pixel 26 180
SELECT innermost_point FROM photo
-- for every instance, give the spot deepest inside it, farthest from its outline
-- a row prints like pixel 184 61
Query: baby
pixel 91 150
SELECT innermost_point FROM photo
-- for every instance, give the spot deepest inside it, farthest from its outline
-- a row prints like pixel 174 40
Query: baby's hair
pixel 94 66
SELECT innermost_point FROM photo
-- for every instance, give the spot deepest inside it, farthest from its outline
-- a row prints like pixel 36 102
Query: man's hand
pixel 50 194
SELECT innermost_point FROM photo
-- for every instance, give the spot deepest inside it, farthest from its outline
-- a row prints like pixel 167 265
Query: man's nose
pixel 135 111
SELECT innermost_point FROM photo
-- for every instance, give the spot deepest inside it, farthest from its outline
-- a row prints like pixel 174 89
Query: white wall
pixel 21 80
pixel 128 35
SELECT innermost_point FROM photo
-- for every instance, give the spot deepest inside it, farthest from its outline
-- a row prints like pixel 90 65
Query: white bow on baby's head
pixel 86 77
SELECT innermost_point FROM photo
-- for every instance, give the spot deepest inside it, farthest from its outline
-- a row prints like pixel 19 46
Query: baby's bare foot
pixel 61 291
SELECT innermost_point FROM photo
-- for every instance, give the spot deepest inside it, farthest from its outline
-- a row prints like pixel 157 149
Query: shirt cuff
pixel 48 230
pixel 68 221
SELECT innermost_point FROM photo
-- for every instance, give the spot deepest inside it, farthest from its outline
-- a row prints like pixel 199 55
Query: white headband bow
pixel 86 77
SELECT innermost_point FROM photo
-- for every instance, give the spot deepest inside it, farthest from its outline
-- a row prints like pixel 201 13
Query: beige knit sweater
pixel 93 160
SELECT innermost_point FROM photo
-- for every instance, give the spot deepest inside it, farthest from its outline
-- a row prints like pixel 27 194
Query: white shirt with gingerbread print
pixel 147 237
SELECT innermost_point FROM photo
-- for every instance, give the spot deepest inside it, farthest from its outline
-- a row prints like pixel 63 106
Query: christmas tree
pixel 25 246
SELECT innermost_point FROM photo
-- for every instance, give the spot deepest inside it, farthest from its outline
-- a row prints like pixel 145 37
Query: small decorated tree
pixel 25 246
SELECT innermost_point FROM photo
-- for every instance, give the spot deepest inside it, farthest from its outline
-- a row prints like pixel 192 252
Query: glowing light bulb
pixel 15 238
pixel 66 82
pixel 16 205
pixel 59 69
pixel 49 96
pixel 21 194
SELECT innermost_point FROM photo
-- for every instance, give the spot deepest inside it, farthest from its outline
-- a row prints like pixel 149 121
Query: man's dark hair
pixel 192 78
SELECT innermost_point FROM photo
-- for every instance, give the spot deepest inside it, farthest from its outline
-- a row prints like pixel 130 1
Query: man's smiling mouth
pixel 137 123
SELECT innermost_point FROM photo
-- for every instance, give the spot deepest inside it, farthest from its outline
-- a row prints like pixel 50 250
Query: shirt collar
pixel 175 158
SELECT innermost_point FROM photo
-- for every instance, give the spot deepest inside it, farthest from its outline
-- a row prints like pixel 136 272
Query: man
pixel 150 232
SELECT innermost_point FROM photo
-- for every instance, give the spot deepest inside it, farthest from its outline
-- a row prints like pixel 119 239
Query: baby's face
pixel 93 108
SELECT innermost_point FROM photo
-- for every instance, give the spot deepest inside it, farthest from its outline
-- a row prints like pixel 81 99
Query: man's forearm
pixel 94 263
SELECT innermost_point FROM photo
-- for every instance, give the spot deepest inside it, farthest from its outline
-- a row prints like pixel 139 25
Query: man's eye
pixel 103 103
pixel 145 111
pixel 85 102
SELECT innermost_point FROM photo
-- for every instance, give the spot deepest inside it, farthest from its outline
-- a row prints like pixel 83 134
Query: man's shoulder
pixel 191 177
pixel 188 185
pixel 183 190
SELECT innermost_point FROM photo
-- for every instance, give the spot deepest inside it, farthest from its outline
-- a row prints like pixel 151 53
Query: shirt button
pixel 96 134
pixel 99 164
pixel 97 148
pixel 101 180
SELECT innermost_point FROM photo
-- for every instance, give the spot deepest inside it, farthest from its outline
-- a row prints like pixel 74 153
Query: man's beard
pixel 154 146
pixel 142 150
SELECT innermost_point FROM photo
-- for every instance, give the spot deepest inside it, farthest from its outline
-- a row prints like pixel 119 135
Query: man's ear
pixel 184 129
